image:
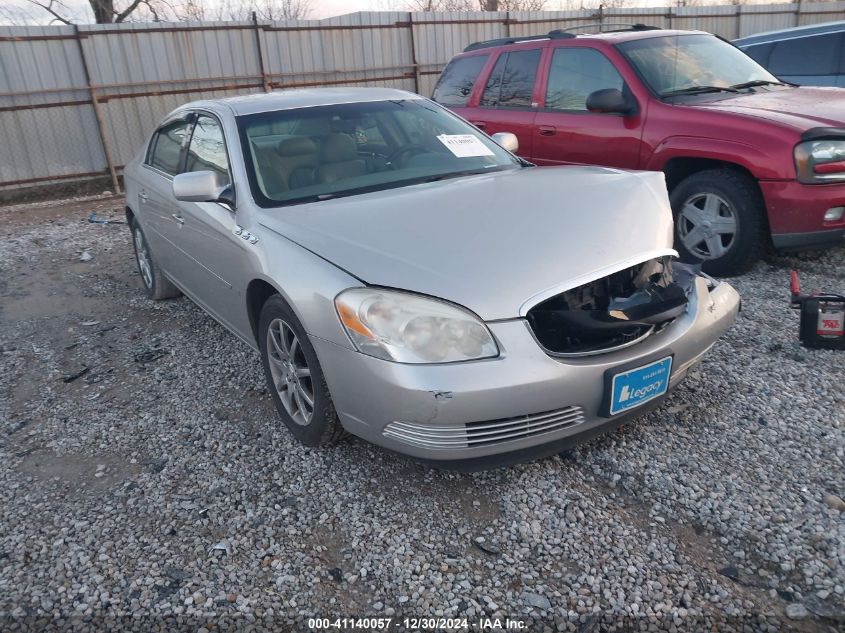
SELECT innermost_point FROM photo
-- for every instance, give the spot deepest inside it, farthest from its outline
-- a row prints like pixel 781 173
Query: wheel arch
pixel 257 292
pixel 678 168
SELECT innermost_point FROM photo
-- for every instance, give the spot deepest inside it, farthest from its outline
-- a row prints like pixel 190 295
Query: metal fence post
pixel 259 50
pixel 414 53
pixel 97 112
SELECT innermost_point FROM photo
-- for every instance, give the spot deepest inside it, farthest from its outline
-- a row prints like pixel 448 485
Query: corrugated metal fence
pixel 77 102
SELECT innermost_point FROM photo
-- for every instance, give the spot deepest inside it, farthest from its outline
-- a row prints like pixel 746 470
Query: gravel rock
pixel 796 611
pixel 193 454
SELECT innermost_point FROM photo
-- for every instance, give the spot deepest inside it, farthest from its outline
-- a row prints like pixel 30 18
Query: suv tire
pixel 294 376
pixel 719 211
pixel 156 285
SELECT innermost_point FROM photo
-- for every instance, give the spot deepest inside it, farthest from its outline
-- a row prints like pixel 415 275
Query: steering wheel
pixel 413 148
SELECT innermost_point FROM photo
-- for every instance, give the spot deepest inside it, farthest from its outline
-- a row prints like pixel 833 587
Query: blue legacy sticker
pixel 634 387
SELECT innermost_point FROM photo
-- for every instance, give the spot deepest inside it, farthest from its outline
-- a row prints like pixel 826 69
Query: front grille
pixel 592 318
pixel 485 433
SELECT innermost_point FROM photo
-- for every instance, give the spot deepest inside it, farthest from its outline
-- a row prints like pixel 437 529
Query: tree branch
pixel 120 17
pixel 49 9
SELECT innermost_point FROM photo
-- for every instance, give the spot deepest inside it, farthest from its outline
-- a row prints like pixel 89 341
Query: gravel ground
pixel 145 473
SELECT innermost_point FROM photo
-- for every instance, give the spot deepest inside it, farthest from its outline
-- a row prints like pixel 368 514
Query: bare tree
pixel 476 5
pixel 109 11
pixel 264 9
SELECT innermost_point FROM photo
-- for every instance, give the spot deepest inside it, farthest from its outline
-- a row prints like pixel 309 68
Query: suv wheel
pixel 719 221
pixel 158 286
pixel 294 376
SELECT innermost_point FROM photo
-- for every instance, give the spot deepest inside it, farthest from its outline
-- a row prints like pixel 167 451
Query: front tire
pixel 157 286
pixel 294 376
pixel 719 221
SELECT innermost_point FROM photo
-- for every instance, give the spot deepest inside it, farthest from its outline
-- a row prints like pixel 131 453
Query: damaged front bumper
pixel 516 406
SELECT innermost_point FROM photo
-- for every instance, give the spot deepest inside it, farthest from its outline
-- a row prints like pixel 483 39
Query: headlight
pixel 820 161
pixel 407 328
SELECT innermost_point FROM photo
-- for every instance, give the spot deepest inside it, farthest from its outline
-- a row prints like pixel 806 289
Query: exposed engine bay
pixel 613 311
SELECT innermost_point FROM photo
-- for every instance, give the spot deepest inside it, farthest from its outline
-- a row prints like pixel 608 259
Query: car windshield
pixel 686 64
pixel 309 154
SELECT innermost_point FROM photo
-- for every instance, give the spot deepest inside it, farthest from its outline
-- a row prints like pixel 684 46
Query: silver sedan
pixel 409 280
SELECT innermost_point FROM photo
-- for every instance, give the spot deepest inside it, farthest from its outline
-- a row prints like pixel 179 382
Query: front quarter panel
pixel 307 282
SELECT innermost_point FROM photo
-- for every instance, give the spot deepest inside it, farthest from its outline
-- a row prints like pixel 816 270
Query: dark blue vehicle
pixel 812 55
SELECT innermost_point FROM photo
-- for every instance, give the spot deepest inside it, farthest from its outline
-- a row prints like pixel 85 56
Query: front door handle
pixel 548 130
pixel 143 196
pixel 179 219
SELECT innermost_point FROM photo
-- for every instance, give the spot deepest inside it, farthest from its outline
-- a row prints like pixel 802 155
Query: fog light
pixel 834 214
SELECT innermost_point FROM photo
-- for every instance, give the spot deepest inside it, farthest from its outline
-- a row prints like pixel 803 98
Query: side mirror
pixel 507 140
pixel 609 101
pixel 197 186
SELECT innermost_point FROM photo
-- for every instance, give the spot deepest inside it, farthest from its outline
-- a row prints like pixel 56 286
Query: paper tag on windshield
pixel 464 145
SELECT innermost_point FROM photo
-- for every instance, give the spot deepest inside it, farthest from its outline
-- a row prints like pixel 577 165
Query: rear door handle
pixel 548 130
pixel 479 124
pixel 179 219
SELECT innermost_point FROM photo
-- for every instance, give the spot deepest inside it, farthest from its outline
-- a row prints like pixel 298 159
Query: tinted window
pixel 759 53
pixel 167 147
pixel 512 81
pixel 814 55
pixel 457 80
pixel 574 74
pixel 207 151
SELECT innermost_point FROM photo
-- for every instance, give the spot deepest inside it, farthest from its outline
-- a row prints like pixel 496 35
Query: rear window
pixel 511 83
pixel 457 79
pixel 812 55
pixel 166 149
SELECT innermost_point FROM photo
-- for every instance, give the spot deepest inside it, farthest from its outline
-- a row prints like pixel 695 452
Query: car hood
pixel 799 108
pixel 495 243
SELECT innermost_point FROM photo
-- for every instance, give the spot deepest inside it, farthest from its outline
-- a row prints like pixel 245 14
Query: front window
pixel 574 74
pixel 207 150
pixel 675 63
pixel 310 154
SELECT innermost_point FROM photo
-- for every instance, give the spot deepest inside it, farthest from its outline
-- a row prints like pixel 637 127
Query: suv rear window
pixel 457 80
pixel 511 82
pixel 811 55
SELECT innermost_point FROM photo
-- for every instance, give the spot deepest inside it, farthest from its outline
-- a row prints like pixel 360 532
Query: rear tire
pixel 719 221
pixel 156 285
pixel 295 378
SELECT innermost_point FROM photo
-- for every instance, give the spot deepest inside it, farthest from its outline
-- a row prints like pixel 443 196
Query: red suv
pixel 749 160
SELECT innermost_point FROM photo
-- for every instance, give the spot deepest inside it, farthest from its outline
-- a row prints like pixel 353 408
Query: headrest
pixel 337 148
pixel 296 146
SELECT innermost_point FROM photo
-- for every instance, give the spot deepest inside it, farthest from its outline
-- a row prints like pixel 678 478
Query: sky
pixel 320 8
pixel 10 9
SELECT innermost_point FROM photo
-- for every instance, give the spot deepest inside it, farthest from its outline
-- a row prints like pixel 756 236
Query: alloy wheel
pixel 290 372
pixel 707 226
pixel 142 253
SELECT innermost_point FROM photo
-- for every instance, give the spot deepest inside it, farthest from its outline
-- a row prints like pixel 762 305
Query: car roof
pixel 613 37
pixel 299 98
pixel 798 31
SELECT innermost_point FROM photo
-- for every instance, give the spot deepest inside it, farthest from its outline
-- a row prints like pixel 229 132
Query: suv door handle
pixel 548 130
pixel 479 124
pixel 179 219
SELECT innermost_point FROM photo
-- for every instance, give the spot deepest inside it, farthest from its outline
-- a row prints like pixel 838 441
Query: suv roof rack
pixel 625 26
pixel 553 35
pixel 561 34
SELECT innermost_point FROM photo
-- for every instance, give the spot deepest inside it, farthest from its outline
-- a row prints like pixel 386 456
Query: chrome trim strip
pixel 465 436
